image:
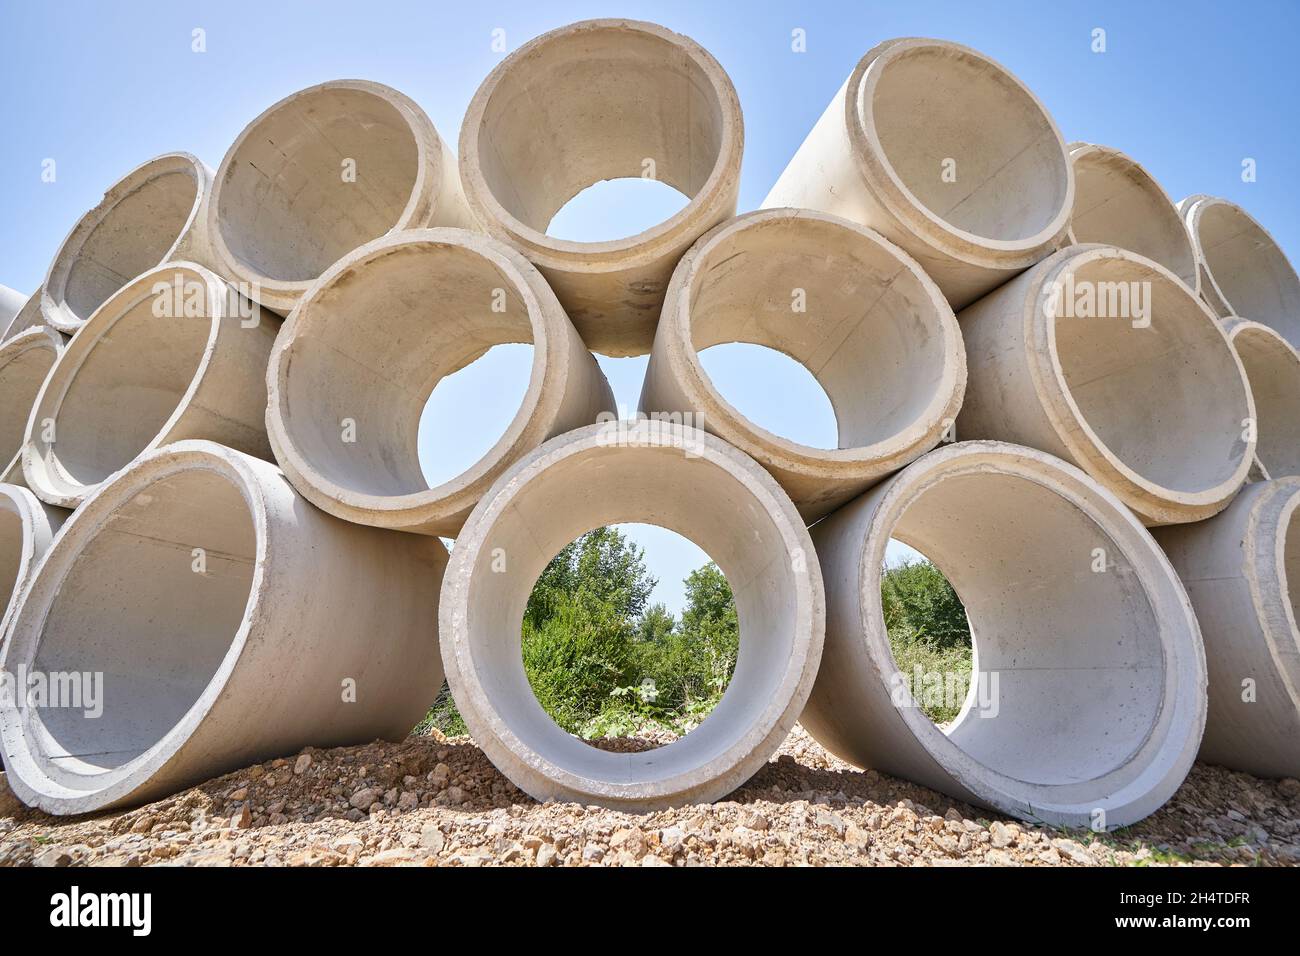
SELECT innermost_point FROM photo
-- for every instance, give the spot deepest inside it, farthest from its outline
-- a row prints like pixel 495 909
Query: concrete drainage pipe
pixel 874 331
pixel 1273 371
pixel 603 99
pixel 1117 202
pixel 154 214
pixel 27 526
pixel 1244 272
pixel 369 342
pixel 1087 694
pixel 321 172
pixel 170 356
pixel 27 317
pixel 681 479
pixel 1241 570
pixel 11 301
pixel 195 584
pixel 1107 360
pixel 948 155
pixel 25 361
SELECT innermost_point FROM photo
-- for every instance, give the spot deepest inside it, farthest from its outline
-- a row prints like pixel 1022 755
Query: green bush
pixel 929 636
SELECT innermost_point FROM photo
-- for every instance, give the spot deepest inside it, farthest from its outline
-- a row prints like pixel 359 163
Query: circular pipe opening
pixel 1116 201
pixel 1273 371
pixel 963 140
pixel 25 361
pixel 137 225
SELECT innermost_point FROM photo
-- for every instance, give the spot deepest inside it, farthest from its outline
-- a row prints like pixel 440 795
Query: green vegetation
pixel 929 636
pixel 601 662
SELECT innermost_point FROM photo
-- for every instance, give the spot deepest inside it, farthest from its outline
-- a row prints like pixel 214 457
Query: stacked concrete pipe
pixel 25 361
pixel 28 316
pixel 174 354
pixel 1243 270
pixel 1241 570
pixel 948 155
pixel 1087 695
pixel 373 337
pixel 1272 367
pixel 1119 203
pixel 320 173
pixel 232 622
pixel 27 526
pixel 11 301
pixel 679 478
pixel 870 326
pixel 1149 399
pixel 596 100
pixel 156 213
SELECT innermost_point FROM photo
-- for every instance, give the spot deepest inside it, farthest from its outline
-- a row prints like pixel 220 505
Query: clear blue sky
pixel 1188 88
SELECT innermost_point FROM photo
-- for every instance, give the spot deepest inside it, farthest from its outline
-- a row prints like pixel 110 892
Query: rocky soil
pixel 435 801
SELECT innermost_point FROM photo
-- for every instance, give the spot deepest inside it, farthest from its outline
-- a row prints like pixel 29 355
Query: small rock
pixel 54 856
pixel 547 855
pixel 431 838
pixel 301 765
pixel 1001 835
pixel 364 797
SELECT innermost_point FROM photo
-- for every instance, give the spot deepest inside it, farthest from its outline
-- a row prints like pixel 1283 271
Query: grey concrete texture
pixel 231 621
pixel 1239 568
pixel 27 316
pixel 870 326
pixel 947 154
pixel 1119 203
pixel 153 214
pixel 27 526
pixel 175 354
pixel 11 301
pixel 370 341
pixel 25 361
pixel 321 172
pixel 591 101
pixel 1087 698
pixel 1244 272
pixel 1272 367
pixel 1150 398
pixel 645 471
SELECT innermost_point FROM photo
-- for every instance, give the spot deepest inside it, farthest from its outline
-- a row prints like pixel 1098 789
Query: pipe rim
pixel 1273 518
pixel 1149 498
pixel 33 776
pixel 429 174
pixel 37 337
pixel 1171 743
pixel 741 753
pixel 1236 328
pixel 37 532
pixel 725 420
pixel 874 165
pixel 44 474
pixel 28 317
pixel 539 405
pixel 714 200
pixel 54 307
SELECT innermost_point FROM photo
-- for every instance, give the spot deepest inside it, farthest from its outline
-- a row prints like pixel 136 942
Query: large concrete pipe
pixel 358 358
pixel 949 155
pixel 27 526
pixel 1106 359
pixel 681 479
pixel 28 316
pixel 1241 570
pixel 172 355
pixel 1272 367
pixel 1087 694
pixel 1117 202
pixel 844 302
pixel 228 621
pixel 1244 272
pixel 25 361
pixel 154 214
pixel 325 170
pixel 597 100
pixel 11 300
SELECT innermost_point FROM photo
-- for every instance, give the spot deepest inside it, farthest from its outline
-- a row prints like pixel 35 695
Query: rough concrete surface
pixel 1272 367
pixel 25 361
pixel 27 526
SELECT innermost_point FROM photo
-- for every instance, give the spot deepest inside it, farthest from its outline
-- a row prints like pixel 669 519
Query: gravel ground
pixel 436 801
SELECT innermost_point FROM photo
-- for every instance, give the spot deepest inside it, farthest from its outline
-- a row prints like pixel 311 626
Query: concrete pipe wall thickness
pixel 1272 367
pixel 25 361
pixel 27 526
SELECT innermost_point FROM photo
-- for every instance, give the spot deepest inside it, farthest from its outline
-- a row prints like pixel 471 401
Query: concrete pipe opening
pixel 1065 359
pixel 845 303
pixel 683 480
pixel 606 99
pixel 178 597
pixel 948 155
pixel 144 219
pixel 1088 684
pixel 1242 572
pixel 25 361
pixel 1273 371
pixel 1245 272
pixel 366 347
pixel 27 317
pixel 1117 202
pixel 26 528
pixel 172 355
pixel 320 173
